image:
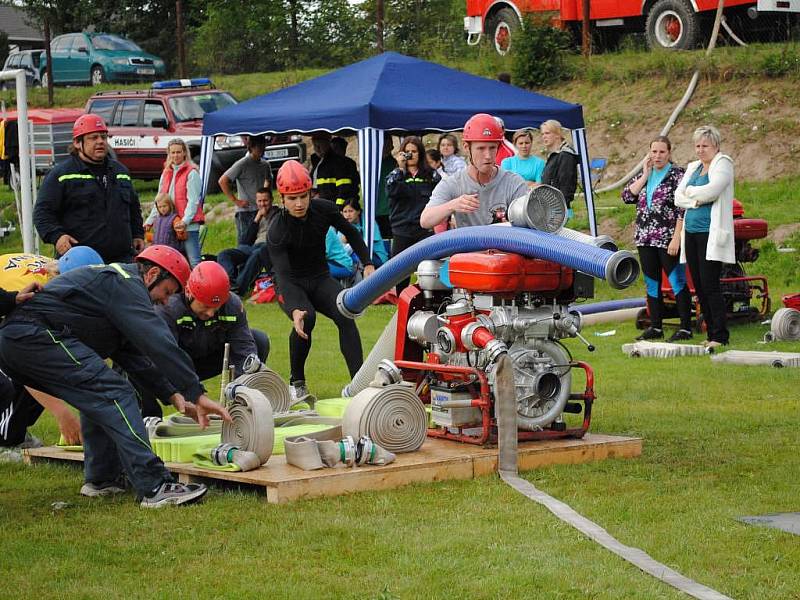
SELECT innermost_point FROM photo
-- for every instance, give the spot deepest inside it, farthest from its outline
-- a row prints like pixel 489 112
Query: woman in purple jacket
pixel 658 237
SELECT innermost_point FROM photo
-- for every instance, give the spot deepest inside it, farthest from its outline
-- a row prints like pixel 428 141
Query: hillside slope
pixel 759 120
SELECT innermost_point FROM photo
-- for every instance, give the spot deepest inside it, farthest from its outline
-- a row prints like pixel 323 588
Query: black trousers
pixel 653 261
pixel 400 242
pixel 320 296
pixel 705 275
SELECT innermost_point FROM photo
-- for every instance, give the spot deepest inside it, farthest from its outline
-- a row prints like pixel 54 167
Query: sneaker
pixel 170 492
pixel 31 441
pixel 298 390
pixel 712 345
pixel 681 335
pixel 92 489
pixel 651 333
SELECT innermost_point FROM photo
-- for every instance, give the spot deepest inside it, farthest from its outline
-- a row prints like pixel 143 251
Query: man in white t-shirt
pixel 474 193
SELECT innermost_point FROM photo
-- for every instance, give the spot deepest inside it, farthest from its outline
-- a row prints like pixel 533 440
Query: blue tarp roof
pixel 389 91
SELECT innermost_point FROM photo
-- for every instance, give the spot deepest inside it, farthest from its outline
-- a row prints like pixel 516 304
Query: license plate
pixel 145 71
pixel 278 153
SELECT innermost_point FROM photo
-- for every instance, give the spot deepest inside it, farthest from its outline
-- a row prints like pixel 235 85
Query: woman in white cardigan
pixel 706 192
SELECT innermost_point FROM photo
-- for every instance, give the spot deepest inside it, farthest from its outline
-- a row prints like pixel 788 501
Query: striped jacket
pixel 73 200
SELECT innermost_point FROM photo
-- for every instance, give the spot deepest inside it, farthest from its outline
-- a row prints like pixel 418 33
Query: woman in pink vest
pixel 181 181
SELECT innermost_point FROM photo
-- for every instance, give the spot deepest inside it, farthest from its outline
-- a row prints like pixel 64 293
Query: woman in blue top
pixel 352 212
pixel 524 164
pixel 706 192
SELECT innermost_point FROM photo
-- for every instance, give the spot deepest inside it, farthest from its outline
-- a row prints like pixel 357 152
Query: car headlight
pixel 120 61
pixel 158 63
pixel 223 142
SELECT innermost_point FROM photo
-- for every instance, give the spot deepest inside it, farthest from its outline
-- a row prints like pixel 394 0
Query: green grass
pixel 720 442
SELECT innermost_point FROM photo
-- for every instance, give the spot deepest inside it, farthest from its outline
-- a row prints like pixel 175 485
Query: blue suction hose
pixel 619 268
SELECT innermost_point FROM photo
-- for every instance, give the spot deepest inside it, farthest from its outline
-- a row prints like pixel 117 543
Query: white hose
pixel 252 428
pixel 383 349
pixel 392 416
pixel 271 385
pixel 678 109
pixel 753 357
pixel 785 325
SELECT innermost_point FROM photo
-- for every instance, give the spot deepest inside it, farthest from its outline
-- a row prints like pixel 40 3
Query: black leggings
pixel 320 296
pixel 402 241
pixel 653 261
pixel 705 276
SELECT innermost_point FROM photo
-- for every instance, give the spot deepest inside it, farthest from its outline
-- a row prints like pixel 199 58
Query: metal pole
pixel 23 128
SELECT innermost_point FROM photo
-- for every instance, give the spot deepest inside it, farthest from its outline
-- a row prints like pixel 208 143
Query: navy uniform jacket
pixel 108 309
pixel 72 201
pixel 207 338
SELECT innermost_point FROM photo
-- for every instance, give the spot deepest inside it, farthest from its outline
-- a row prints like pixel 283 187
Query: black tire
pixel 502 27
pixel 97 75
pixel 673 25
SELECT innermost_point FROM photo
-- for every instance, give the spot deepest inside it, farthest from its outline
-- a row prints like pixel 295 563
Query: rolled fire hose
pixel 382 350
pixel 505 405
pixel 271 385
pixel 662 349
pixel 251 428
pixel 753 357
pixel 392 416
pixel 785 325
pixel 619 268
pixel 177 425
pixel 312 454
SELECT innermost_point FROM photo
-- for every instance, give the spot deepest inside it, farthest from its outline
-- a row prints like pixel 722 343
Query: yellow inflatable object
pixel 19 270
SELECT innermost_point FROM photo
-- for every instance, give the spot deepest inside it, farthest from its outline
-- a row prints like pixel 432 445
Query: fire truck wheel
pixel 672 24
pixel 502 27
pixel 97 75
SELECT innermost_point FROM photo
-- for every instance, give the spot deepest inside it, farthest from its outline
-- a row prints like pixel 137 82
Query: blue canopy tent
pixel 395 93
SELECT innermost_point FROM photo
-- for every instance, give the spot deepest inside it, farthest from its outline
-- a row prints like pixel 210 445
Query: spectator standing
pixel 339 146
pixel 659 226
pixel 168 228
pixel 561 168
pixel 706 192
pixel 88 199
pixel 410 187
pixel 524 164
pixel 332 177
pixel 181 181
pixel 448 148
pixel 473 194
pixel 251 173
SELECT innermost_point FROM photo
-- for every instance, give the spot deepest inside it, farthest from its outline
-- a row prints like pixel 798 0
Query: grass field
pixel 719 442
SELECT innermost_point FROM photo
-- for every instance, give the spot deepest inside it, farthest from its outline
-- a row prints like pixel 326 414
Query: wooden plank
pixel 437 460
pixel 543 453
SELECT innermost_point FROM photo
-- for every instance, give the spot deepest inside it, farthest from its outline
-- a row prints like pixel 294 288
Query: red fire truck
pixel 674 24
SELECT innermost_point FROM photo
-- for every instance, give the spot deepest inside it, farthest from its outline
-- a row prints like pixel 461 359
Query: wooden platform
pixel 437 460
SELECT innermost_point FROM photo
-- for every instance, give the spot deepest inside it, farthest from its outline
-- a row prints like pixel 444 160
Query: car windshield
pixel 113 42
pixel 189 108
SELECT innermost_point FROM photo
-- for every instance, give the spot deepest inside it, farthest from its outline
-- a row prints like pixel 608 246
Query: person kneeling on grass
pixel 296 242
pixel 202 320
pixel 21 275
pixel 58 341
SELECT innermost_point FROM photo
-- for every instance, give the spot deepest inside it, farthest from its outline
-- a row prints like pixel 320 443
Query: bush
pixel 540 55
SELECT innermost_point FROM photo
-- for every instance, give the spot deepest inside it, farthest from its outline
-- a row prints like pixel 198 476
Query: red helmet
pixel 293 178
pixel 88 123
pixel 482 128
pixel 209 284
pixel 169 259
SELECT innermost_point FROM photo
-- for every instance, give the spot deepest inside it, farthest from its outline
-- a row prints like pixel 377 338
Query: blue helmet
pixel 78 256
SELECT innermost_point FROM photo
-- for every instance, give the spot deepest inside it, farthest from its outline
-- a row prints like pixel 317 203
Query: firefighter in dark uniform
pixel 58 341
pixel 331 175
pixel 88 199
pixel 203 319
